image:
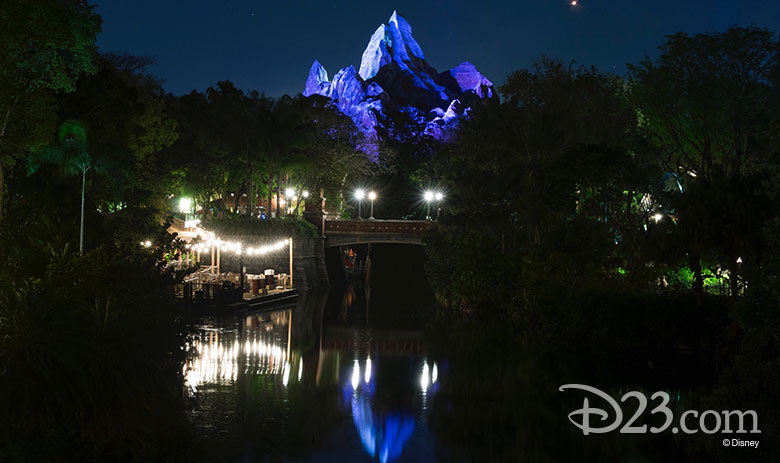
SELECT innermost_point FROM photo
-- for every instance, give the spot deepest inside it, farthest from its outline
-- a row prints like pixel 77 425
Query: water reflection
pixel 352 377
pixel 259 346
pixel 383 436
pixel 368 388
pixel 383 430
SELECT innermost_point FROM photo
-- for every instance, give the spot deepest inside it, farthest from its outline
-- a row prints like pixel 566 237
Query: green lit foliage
pixel 44 46
pixel 72 155
pixel 680 278
pixel 121 127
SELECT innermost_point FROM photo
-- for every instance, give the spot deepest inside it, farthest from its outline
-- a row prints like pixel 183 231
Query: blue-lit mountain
pixel 393 79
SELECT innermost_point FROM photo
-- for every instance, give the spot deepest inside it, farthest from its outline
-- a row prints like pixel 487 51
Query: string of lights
pixel 238 248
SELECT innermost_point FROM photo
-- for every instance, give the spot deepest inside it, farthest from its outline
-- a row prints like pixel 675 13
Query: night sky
pixel 270 45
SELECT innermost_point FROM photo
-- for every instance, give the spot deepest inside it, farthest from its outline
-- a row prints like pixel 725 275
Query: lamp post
pixel 439 197
pixel 289 194
pixel 359 194
pixel 372 197
pixel 428 196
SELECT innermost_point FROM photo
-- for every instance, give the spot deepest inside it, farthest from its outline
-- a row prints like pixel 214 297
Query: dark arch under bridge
pixel 349 232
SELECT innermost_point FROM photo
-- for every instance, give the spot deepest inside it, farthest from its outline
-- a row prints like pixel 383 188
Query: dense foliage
pixel 89 363
pixel 279 228
pixel 578 178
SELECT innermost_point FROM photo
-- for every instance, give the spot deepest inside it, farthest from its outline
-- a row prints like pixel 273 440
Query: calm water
pixel 369 373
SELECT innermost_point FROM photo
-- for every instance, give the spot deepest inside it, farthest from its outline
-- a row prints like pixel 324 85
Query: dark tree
pixel 44 46
pixel 704 106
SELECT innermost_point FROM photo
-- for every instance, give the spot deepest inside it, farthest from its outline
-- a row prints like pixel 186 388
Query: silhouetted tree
pixel 44 47
pixel 704 107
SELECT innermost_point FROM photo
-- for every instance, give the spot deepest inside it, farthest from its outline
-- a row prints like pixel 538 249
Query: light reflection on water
pixel 378 381
pixel 260 347
pixel 350 378
pixel 383 434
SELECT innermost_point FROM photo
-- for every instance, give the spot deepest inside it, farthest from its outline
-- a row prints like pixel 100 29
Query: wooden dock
pixel 248 302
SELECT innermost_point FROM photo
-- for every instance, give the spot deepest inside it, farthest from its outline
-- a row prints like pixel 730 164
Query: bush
pixel 90 358
pixel 242 226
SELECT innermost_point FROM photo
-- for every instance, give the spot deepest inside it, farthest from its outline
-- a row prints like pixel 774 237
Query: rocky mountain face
pixel 394 79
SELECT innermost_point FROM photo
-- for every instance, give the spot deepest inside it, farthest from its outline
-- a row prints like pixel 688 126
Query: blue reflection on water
pixel 383 435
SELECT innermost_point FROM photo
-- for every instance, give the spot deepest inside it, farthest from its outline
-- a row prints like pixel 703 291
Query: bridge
pixel 339 232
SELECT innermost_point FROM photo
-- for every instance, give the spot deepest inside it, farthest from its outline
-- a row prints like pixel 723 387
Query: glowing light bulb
pixel 185 205
pixel 355 375
pixel 424 378
pixel 359 194
pixel 428 196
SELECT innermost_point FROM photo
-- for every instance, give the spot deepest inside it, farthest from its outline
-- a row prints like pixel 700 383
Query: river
pixel 374 372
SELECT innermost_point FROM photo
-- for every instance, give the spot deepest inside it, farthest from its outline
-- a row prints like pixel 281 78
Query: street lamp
pixel 428 196
pixel 359 194
pixel 439 197
pixel 372 197
pixel 292 198
pixel 185 205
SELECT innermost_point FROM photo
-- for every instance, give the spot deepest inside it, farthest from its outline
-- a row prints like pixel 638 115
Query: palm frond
pixel 71 154
pixel 43 156
pixel 73 130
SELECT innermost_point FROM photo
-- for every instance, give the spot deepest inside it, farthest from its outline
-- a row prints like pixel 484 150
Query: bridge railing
pixel 376 226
